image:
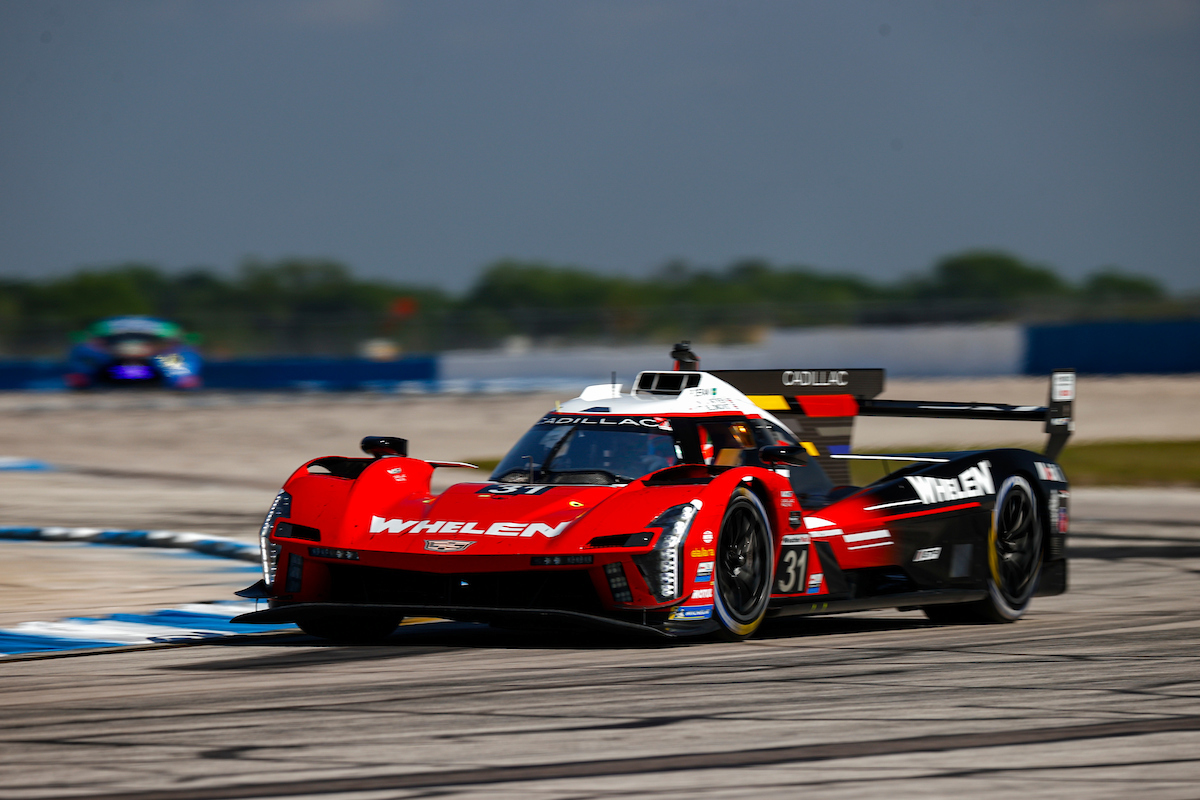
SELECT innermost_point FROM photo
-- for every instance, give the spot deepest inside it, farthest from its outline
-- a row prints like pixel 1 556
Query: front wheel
pixel 350 630
pixel 743 569
pixel 1014 560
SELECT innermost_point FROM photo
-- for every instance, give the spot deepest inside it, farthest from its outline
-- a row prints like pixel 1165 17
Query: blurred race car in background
pixel 696 503
pixel 134 351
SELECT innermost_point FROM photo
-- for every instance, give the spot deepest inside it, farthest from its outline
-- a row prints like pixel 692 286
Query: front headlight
pixel 662 567
pixel 281 507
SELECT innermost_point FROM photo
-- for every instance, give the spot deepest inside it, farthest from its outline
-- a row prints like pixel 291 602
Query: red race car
pixel 697 503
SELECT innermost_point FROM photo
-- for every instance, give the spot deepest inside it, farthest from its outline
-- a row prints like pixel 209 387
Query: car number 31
pixel 793 562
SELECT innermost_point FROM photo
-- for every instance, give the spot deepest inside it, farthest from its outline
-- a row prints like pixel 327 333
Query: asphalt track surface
pixel 1095 694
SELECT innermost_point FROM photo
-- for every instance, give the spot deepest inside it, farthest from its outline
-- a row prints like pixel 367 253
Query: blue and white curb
pixel 16 464
pixel 194 621
pixel 186 623
pixel 220 546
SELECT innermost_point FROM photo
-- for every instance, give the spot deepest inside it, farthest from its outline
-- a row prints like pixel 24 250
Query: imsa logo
pixel 974 482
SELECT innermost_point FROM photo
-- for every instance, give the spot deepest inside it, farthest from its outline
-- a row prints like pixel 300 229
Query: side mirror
pixel 382 446
pixel 791 454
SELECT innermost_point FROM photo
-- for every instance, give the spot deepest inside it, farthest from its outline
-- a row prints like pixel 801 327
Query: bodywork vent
pixel 666 383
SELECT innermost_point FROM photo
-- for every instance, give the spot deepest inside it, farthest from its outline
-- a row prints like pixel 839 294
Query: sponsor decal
pixel 524 529
pixel 928 554
pixel 1059 518
pixel 660 423
pixel 513 488
pixel 815 377
pixel 172 364
pixel 975 481
pixel 704 568
pixel 691 612
pixel 1062 386
pixel 815 579
pixel 796 538
pixel 447 545
pixel 1050 472
pixel 707 537
pixel 702 594
pixel 397 474
pixel 718 404
pixel 794 519
pixel 703 552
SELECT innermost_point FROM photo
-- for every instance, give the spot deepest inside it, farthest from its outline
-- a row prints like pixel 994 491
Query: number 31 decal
pixel 789 577
pixel 513 488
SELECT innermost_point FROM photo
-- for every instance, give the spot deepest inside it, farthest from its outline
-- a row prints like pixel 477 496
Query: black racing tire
pixel 744 567
pixel 350 630
pixel 1015 556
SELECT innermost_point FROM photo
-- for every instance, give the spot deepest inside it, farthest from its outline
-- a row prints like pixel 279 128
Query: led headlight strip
pixel 281 507
pixel 662 566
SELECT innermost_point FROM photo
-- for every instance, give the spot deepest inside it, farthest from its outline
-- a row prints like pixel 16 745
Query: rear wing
pixel 819 406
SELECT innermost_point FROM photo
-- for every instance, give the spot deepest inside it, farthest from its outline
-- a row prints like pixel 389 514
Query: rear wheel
pixel 1014 560
pixel 743 566
pixel 350 630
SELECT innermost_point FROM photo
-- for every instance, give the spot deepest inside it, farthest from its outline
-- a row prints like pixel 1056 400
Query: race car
pixel 134 351
pixel 696 503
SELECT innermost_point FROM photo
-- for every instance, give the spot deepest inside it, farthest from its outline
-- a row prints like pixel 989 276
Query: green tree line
pixel 320 306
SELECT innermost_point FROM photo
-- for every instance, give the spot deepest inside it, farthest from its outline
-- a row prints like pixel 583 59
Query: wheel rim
pixel 1017 545
pixel 743 562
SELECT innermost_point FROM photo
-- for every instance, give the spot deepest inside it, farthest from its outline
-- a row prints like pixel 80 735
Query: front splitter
pixel 520 618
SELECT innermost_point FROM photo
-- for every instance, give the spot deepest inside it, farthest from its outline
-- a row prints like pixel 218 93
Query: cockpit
pixel 606 450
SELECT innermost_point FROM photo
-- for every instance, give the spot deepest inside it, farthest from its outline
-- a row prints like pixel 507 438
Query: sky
pixel 421 141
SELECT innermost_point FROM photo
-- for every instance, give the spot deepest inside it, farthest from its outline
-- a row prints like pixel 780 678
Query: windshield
pixel 558 453
pixel 133 345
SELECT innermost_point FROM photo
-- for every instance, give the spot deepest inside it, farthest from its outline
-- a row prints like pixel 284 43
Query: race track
pixel 1095 694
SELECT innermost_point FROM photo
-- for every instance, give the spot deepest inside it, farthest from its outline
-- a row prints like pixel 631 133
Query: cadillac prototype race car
pixel 696 503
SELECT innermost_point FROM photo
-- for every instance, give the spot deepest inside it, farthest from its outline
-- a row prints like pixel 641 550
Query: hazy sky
pixel 421 140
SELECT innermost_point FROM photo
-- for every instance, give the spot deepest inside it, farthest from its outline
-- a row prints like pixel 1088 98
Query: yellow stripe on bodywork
pixel 810 448
pixel 769 402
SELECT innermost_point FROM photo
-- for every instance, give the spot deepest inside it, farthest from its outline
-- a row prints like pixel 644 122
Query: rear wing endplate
pixel 820 405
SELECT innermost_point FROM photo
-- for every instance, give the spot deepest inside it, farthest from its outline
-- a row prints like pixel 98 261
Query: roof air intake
pixel 666 383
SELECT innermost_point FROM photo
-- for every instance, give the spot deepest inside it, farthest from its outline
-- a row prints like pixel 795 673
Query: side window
pixel 809 480
pixel 724 443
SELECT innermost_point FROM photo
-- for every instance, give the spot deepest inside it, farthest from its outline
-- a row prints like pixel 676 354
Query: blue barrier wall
pixel 266 373
pixel 1091 348
pixel 1114 348
pixel 43 375
pixel 317 373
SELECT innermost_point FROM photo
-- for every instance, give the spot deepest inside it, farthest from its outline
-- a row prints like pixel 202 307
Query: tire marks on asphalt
pixel 734 759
